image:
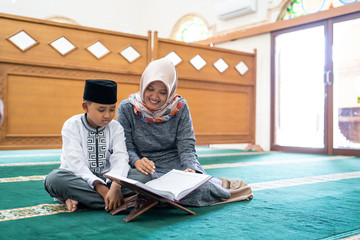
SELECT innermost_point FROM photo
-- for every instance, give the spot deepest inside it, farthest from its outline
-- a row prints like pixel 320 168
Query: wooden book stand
pixel 142 201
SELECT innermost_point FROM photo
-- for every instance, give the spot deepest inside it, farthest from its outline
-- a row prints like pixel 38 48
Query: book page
pixel 177 181
pixel 166 194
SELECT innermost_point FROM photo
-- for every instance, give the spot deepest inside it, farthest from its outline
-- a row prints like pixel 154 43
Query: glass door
pixel 298 88
pixel 316 87
pixel 346 85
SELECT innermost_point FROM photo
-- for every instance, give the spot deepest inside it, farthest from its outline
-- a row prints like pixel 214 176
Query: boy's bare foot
pixel 71 205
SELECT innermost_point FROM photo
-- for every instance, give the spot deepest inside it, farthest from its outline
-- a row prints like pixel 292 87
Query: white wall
pixel 162 15
pixel 116 15
pixel 133 16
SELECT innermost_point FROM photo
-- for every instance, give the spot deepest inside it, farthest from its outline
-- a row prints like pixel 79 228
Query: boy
pixel 93 144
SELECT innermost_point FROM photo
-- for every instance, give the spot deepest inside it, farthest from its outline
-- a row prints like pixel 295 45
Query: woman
pixel 160 136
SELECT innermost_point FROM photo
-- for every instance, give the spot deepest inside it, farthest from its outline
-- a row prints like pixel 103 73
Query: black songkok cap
pixel 100 91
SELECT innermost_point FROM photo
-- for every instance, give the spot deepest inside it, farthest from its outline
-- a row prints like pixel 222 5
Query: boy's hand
pixel 100 188
pixel 145 166
pixel 114 197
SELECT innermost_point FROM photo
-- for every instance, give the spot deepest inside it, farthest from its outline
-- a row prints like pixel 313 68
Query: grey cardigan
pixel 170 144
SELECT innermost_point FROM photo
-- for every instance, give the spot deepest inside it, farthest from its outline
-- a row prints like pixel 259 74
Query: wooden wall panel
pixel 210 54
pixel 45 32
pixel 218 116
pixel 222 104
pixel 41 88
pixel 35 104
pixel 38 100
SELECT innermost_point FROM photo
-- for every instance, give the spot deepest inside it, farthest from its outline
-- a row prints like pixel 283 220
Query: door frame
pixel 328 89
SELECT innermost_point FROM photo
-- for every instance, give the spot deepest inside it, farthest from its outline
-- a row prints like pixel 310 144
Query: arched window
pixel 297 8
pixel 190 28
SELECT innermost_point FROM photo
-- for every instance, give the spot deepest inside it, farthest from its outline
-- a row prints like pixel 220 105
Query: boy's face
pixel 99 115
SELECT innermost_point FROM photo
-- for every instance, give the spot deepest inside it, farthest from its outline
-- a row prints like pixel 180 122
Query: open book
pixel 173 186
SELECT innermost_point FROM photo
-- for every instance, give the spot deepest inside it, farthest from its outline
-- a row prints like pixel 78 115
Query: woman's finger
pixel 147 165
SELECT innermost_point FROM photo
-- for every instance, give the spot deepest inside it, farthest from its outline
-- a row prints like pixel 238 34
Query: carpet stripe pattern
pixel 271 162
pixel 318 194
pixel 48 209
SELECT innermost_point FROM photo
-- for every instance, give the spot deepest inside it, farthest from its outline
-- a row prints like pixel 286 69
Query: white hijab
pixel 159 70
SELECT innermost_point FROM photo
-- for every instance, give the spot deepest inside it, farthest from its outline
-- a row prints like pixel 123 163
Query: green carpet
pixel 327 208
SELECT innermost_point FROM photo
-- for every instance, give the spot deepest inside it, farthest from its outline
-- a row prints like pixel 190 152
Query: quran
pixel 173 185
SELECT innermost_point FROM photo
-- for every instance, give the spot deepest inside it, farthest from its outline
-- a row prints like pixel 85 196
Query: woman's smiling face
pixel 155 95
